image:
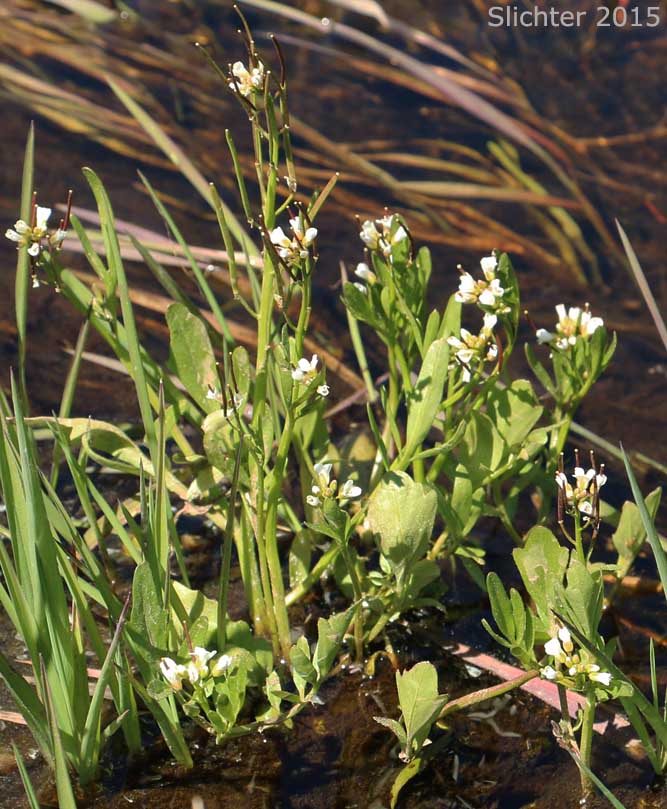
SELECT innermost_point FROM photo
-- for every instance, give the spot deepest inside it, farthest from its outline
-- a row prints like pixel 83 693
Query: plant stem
pixel 586 743
pixel 487 693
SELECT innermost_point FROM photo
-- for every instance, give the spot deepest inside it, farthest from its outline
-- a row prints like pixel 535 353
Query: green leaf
pixel 630 533
pixel 401 515
pixel 406 775
pixel 420 703
pixel 542 563
pixel 193 355
pixel 514 412
pixel 27 783
pixel 426 397
pixel 330 633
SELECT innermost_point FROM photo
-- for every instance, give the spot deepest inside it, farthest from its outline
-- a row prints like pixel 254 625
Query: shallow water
pixel 587 82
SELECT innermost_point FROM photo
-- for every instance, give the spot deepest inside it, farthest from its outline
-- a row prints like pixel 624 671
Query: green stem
pixel 488 693
pixel 586 743
pixel 271 538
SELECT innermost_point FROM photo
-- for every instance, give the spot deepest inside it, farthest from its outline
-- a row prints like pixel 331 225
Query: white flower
pixel 364 272
pixel 467 292
pixel 573 324
pixel 349 490
pixel 198 665
pixel 552 647
pixel 361 288
pixel 23 234
pixel 323 474
pixel 221 664
pixel 369 235
pixel 292 249
pixel 313 501
pixel 246 81
pixel 565 637
pixel 549 673
pixel 489 265
pixel 487 292
pixel 475 347
pixel 305 370
pixel 587 483
pixel 173 672
pixel 323 390
pixel 602 677
pixel 377 234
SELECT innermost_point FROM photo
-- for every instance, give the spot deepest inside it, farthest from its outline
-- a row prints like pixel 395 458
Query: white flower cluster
pixel 382 235
pixel 197 670
pixel 293 249
pixel 323 487
pixel 573 323
pixel 587 484
pixel 306 371
pixel 568 667
pixel 34 236
pixel 246 81
pixel 486 292
pixel 471 349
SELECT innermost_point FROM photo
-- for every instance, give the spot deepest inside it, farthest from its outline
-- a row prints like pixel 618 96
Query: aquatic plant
pixel 244 441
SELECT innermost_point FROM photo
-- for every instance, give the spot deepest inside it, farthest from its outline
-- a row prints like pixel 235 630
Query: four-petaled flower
pixel 487 292
pixel 198 665
pixel 570 667
pixel 173 672
pixel 295 249
pixel 585 492
pixel 382 235
pixel 323 487
pixel 32 236
pixel 573 324
pixel 472 348
pixel 246 81
pixel 306 371
pixel 196 670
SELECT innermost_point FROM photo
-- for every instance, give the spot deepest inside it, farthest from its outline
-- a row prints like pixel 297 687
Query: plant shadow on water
pixel 340 757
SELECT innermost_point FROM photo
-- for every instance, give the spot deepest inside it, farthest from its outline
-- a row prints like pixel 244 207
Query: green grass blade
pixel 64 789
pixel 643 285
pixel 90 742
pixel 22 280
pixel 649 527
pixel 27 783
pixel 194 266
pixel 133 344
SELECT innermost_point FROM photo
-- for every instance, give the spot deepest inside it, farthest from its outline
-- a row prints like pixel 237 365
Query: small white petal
pixel 564 635
pixel 42 217
pixel 34 249
pixel 323 390
pixel 488 265
pixel 552 647
pixel 549 673
pixel 13 235
pixel 544 336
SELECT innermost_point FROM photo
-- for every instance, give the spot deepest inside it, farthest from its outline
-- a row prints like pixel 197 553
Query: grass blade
pixel 22 281
pixel 643 285
pixel 649 527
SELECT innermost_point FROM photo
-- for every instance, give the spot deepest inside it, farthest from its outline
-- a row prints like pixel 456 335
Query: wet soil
pixel 588 83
